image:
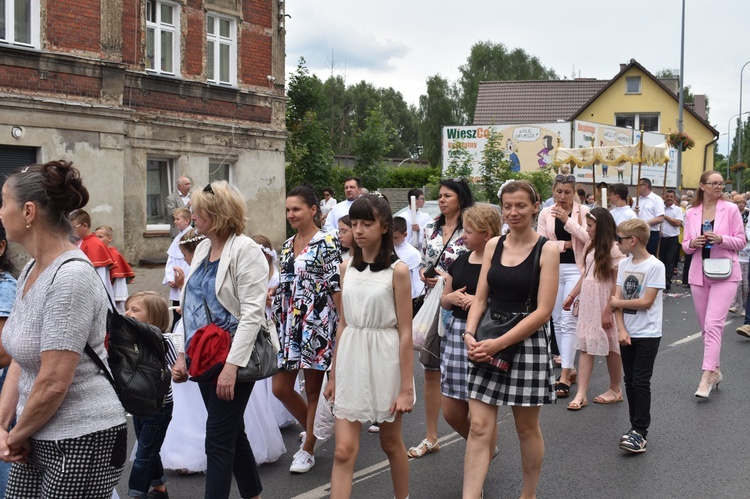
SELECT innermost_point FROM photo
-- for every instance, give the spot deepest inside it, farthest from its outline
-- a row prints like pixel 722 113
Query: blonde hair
pixel 635 227
pixel 483 218
pixel 181 213
pixel 155 305
pixel 107 230
pixel 224 205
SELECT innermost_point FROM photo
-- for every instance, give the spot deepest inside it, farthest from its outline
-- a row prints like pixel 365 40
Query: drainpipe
pixel 705 151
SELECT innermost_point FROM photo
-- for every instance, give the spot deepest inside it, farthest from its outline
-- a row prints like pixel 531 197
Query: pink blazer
pixel 728 223
pixel 576 226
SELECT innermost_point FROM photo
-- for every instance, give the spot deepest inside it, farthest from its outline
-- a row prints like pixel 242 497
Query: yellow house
pixel 635 97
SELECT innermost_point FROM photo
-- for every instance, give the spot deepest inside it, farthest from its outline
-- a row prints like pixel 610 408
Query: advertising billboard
pixel 527 147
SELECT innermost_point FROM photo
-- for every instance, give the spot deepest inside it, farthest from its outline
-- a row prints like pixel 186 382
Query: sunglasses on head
pixel 208 189
pixel 565 179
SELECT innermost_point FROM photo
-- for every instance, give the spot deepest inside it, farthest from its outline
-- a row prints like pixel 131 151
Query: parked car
pixel 431 208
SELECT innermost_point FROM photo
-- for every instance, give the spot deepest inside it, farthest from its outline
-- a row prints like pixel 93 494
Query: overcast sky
pixel 401 43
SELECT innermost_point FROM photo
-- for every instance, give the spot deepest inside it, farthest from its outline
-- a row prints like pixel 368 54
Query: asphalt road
pixel 696 448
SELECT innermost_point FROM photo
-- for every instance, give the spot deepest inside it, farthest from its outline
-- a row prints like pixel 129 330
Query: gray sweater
pixel 64 315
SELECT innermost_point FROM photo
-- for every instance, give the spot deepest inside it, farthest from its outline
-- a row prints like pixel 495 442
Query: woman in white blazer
pixel 564 223
pixel 227 287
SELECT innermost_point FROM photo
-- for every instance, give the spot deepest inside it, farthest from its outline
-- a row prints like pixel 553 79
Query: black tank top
pixel 510 286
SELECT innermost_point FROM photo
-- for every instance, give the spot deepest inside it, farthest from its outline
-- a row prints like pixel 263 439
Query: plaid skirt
pixel 454 361
pixel 530 381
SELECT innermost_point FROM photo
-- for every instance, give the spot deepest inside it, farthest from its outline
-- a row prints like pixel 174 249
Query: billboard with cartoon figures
pixel 655 173
pixel 527 147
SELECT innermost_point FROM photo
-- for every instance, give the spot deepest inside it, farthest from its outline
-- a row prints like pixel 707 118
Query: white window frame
pixel 629 79
pixel 158 27
pixel 637 120
pixel 212 164
pixel 218 41
pixel 10 28
pixel 171 187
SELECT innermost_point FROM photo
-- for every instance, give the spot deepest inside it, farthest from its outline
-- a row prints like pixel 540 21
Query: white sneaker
pixel 733 310
pixel 375 428
pixel 303 462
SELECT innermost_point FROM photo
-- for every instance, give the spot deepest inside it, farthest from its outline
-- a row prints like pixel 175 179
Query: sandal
pixel 424 447
pixel 576 406
pixel 602 399
pixel 562 390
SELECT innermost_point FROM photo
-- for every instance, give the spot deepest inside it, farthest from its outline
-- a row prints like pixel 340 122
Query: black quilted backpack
pixel 138 369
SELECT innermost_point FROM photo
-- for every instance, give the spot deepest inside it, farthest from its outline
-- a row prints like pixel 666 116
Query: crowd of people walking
pixel 510 290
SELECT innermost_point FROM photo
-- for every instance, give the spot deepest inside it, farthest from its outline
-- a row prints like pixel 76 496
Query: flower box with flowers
pixel 680 140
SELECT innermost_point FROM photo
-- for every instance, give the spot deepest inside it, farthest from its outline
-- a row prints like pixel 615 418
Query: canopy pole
pixel 640 162
pixel 593 170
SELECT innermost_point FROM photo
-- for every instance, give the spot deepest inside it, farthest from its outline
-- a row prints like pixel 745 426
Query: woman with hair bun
pixel 305 310
pixel 70 438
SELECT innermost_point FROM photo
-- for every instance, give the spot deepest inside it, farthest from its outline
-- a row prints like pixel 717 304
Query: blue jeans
pixel 227 449
pixel 147 469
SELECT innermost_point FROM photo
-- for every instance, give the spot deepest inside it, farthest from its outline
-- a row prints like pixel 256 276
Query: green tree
pixel 493 62
pixel 371 145
pixel 308 152
pixel 494 168
pixel 437 108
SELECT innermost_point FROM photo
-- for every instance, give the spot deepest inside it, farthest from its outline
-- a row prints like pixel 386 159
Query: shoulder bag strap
pixel 88 349
pixel 445 246
pixel 536 271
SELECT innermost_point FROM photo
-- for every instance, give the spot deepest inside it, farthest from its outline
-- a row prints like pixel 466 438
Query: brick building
pixel 139 92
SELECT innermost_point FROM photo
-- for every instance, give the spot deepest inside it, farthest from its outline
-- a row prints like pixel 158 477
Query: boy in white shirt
pixel 408 254
pixel 638 308
pixel 175 259
pixel 618 197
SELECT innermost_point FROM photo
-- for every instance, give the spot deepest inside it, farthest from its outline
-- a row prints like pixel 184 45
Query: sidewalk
pixel 148 280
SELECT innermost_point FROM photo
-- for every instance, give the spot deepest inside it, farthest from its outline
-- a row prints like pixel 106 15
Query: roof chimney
pixel 700 106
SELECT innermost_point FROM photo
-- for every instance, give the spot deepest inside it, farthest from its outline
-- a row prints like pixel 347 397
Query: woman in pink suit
pixel 712 297
pixel 564 223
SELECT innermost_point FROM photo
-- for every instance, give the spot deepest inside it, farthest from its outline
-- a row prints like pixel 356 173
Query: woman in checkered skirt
pixel 70 439
pixel 481 223
pixel 506 278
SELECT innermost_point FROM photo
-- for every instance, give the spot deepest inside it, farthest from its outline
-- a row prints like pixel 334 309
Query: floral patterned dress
pixel 433 245
pixel 303 308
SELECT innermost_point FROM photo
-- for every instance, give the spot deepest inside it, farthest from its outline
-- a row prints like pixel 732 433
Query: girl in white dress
pixel 184 445
pixel 374 355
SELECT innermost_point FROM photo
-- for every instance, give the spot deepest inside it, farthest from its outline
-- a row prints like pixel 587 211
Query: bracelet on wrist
pixel 464 334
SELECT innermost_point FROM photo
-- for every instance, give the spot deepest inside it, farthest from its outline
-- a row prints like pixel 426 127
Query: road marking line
pixel 373 470
pixel 381 467
pixel 690 338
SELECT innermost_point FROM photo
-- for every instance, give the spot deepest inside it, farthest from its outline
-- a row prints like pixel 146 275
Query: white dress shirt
pixel 622 213
pixel 667 229
pixel 650 207
pixel 339 211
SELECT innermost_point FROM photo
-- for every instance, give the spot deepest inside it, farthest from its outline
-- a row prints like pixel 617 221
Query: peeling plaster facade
pixel 84 94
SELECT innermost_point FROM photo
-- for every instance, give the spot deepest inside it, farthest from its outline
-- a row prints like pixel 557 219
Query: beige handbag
pixel 717 268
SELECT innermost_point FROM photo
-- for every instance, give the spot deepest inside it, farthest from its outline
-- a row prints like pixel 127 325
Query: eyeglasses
pixel 715 184
pixel 208 189
pixel 620 238
pixel 565 179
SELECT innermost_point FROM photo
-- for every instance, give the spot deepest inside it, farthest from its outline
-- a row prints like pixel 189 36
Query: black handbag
pixel 496 323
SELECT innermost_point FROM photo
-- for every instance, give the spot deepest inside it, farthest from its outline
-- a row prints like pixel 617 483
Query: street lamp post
pixel 729 139
pixel 739 137
pixel 682 97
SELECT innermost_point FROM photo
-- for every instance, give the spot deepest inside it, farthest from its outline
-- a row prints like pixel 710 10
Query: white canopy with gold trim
pixel 612 155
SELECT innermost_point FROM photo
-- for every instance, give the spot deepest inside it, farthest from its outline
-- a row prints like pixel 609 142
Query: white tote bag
pixel 425 318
